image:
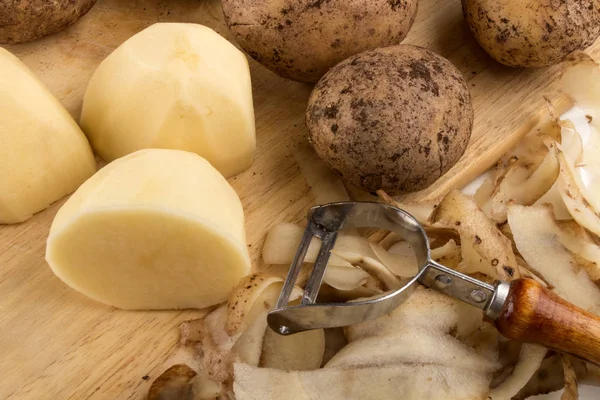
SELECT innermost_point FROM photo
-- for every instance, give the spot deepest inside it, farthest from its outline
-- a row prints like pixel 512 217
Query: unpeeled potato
pixel 532 33
pixel 302 39
pixel 23 20
pixel 394 118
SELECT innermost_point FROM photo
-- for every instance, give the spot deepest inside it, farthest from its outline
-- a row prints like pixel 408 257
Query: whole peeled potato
pixel 173 86
pixel 394 118
pixel 532 33
pixel 24 20
pixel 302 39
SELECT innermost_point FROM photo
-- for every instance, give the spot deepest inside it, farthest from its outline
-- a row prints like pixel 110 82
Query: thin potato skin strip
pixel 300 352
pixel 401 266
pixel 492 251
pixel 448 255
pixel 243 297
pixel 176 383
pixel 581 81
pixel 537 236
pixel 587 253
pixel 550 377
pixel 571 390
pixel 345 278
pixel 372 267
pixel 523 186
pixel 530 359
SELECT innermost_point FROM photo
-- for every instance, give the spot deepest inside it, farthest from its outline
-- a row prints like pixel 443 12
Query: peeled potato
pixel 173 86
pixel 158 229
pixel 43 154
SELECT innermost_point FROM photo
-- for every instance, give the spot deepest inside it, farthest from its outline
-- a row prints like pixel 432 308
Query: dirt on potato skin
pixel 25 20
pixel 302 39
pixel 394 118
pixel 532 33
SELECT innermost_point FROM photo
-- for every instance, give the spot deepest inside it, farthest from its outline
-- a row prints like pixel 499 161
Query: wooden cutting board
pixel 57 344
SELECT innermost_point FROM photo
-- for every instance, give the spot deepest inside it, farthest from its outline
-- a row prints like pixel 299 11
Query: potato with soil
pixel 532 33
pixel 24 20
pixel 302 39
pixel 394 118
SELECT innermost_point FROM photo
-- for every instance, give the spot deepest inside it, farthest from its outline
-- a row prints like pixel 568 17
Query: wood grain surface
pixel 534 314
pixel 57 344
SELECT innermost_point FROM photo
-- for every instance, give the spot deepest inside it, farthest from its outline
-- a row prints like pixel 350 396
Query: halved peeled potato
pixel 43 154
pixel 157 229
pixel 175 86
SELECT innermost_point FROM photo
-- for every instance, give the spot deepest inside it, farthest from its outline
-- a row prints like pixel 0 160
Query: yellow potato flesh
pixel 43 153
pixel 173 86
pixel 157 229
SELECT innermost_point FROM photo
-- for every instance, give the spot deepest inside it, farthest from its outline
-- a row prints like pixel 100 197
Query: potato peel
pixel 242 299
pixel 523 184
pixel 571 390
pixel 345 278
pixel 410 345
pixel 578 165
pixel 536 235
pixel 585 251
pixel 550 377
pixel 326 185
pixel 554 198
pixel 300 352
pixel 530 359
pixel 209 348
pixel 484 247
pixel 484 193
pixel 577 205
pixel 406 259
pixel 420 211
pixel 581 81
pixel 402 265
pixel 176 383
pixel 376 269
pixel 448 255
pixel 441 311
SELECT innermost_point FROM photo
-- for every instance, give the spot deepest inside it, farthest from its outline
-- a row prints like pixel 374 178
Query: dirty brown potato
pixel 532 33
pixel 394 118
pixel 302 39
pixel 24 20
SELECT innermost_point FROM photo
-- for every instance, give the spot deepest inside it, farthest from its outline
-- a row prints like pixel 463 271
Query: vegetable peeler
pixel 522 310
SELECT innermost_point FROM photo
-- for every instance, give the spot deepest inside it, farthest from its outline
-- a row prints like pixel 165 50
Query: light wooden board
pixel 57 344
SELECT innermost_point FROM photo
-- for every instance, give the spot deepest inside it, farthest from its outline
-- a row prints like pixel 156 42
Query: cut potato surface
pixel 43 154
pixel 174 86
pixel 157 229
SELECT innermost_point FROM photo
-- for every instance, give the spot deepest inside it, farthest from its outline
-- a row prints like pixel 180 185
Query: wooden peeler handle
pixel 534 314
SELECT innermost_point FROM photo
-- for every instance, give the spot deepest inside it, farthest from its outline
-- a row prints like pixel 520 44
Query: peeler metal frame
pixel 324 222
